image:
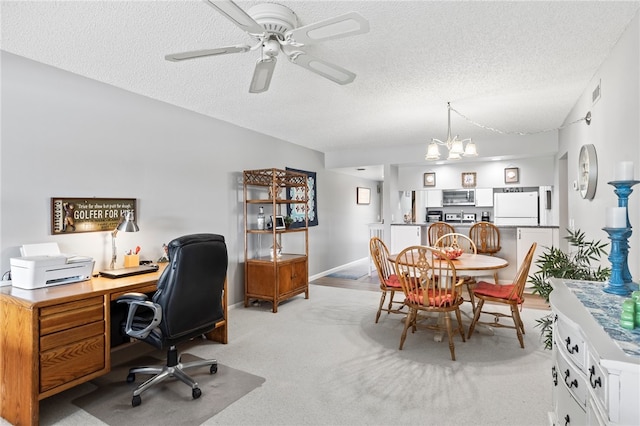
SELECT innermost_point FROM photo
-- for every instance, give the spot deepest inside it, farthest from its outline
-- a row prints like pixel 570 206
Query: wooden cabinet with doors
pixel 276 257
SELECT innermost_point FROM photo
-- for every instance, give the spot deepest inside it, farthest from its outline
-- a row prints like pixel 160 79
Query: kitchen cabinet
pixel 407 235
pixel 434 198
pixel 545 237
pixel 596 364
pixel 271 274
pixel 484 197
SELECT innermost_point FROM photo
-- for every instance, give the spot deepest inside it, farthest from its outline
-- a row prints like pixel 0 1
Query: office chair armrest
pixel 135 301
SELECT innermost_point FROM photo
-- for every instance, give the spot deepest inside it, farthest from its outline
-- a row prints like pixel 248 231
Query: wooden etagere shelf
pixel 271 275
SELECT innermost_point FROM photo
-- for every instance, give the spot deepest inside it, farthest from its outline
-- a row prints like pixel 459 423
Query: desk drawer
pixel 70 362
pixel 70 315
pixel 71 335
pixel 72 341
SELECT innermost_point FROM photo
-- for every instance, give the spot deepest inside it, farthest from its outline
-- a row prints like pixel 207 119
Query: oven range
pixel 460 217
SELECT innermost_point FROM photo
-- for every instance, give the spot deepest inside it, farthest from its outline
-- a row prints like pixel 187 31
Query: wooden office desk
pixel 52 339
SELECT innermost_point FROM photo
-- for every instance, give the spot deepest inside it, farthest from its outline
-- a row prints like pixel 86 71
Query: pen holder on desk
pixel 131 260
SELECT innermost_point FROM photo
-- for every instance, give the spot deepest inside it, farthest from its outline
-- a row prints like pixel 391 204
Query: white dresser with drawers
pixel 596 369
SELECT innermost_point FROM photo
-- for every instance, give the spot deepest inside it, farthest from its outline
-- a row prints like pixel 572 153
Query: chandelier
pixel 455 146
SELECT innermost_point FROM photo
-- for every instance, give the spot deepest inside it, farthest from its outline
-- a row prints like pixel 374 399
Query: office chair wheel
pixel 136 400
pixel 195 393
pixel 213 369
pixel 131 377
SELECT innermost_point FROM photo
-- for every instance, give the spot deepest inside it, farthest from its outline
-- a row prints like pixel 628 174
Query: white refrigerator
pixel 515 208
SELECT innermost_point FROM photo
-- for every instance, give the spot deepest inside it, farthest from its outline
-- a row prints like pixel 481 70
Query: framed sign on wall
pixel 76 215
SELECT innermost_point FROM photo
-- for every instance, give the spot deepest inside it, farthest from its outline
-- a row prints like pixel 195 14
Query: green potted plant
pixel 288 220
pixel 575 265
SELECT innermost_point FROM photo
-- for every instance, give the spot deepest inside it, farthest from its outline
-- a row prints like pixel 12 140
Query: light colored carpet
pixel 326 362
pixel 111 400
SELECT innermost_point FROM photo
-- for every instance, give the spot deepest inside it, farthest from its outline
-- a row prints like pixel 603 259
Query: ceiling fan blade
pixel 321 67
pixel 235 14
pixel 346 25
pixel 175 57
pixel 262 75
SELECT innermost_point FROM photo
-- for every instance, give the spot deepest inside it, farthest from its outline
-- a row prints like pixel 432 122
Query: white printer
pixel 42 265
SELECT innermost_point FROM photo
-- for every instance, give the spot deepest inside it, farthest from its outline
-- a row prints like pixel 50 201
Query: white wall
pixel 615 132
pixel 535 171
pixel 68 136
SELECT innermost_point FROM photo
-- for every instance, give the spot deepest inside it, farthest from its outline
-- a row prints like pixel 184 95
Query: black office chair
pixel 187 304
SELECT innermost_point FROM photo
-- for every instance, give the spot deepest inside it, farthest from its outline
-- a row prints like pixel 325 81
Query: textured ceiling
pixel 517 66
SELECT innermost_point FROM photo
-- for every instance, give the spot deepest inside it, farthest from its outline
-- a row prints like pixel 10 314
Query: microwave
pixel 459 197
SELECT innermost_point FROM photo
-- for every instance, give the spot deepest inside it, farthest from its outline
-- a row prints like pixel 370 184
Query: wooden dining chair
pixel 461 241
pixel 487 238
pixel 510 294
pixel 389 283
pixel 437 230
pixel 430 285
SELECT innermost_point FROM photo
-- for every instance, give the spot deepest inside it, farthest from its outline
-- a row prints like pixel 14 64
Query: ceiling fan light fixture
pixel 270 48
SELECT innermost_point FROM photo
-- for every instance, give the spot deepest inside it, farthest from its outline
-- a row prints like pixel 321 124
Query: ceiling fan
pixel 274 28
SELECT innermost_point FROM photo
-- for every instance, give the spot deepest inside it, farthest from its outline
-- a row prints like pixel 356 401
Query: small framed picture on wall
pixel 511 175
pixel 469 180
pixel 363 195
pixel 429 179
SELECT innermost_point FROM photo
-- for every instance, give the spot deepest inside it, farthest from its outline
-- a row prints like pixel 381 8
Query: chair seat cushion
pixel 484 288
pixel 434 298
pixel 393 281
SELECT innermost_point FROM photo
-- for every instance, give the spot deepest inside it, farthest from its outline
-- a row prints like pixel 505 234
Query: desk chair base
pixel 174 368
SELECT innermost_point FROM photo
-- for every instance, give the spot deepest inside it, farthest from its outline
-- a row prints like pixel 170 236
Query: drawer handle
pixel 572 350
pixel 554 374
pixel 567 420
pixel 596 382
pixel 571 384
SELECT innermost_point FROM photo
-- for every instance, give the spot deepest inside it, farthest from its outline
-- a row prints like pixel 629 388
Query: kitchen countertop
pixel 469 224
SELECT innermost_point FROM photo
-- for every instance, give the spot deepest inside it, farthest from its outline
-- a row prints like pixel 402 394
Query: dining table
pixel 472 264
